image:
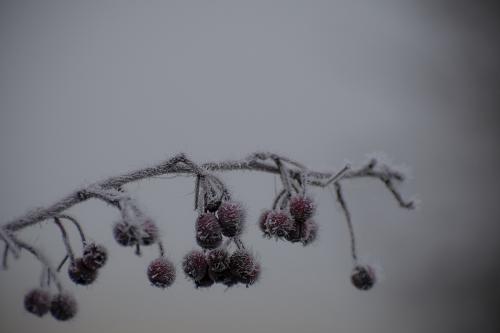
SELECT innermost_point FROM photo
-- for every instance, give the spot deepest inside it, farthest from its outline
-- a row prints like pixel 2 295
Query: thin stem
pixel 347 213
pixel 161 249
pixel 7 238
pixel 78 226
pixel 61 264
pixel 5 256
pixel 65 239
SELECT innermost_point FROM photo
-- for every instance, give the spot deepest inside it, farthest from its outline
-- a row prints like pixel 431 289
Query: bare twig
pixel 347 213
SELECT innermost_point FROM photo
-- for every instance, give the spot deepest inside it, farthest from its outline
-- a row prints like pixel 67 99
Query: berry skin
pixel 149 233
pixel 279 224
pixel 301 208
pixel 218 260
pixel 79 273
pixel 231 218
pixel 125 234
pixel 262 222
pixel 63 307
pixel 161 272
pixel 94 256
pixel 37 302
pixel 363 277
pixel 195 265
pixel 208 231
pixel 244 267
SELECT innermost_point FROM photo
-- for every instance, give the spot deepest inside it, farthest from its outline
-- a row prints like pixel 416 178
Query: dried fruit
pixel 37 302
pixel 244 267
pixel 279 223
pixel 195 265
pixel 148 233
pixel 301 208
pixel 231 218
pixel 125 234
pixel 63 307
pixel 208 231
pixel 161 272
pixel 94 256
pixel 363 277
pixel 79 273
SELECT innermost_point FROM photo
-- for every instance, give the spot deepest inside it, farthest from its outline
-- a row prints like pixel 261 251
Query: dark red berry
pixel 363 277
pixel 94 256
pixel 148 232
pixel 63 307
pixel 301 208
pixel 37 302
pixel 195 265
pixel 79 273
pixel 125 234
pixel 208 231
pixel 279 223
pixel 244 267
pixel 161 272
pixel 205 282
pixel 231 218
pixel 218 260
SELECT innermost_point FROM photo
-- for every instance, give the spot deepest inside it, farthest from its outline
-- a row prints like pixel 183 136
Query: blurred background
pixel 91 89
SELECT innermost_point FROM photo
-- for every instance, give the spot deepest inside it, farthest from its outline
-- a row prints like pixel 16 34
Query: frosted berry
pixel 279 223
pixel 148 232
pixel 363 277
pixel 125 234
pixel 63 307
pixel 244 266
pixel 195 265
pixel 301 208
pixel 304 232
pixel 212 205
pixel 205 282
pixel 218 260
pixel 161 272
pixel 37 302
pixel 231 218
pixel 208 231
pixel 81 274
pixel 94 256
pixel 262 223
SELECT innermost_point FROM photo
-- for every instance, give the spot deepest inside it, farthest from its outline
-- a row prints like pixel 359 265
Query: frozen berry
pixel 205 282
pixel 218 260
pixel 231 218
pixel 161 272
pixel 262 222
pixel 63 307
pixel 301 208
pixel 304 232
pixel 79 273
pixel 148 232
pixel 363 277
pixel 125 234
pixel 37 302
pixel 208 231
pixel 244 266
pixel 279 223
pixel 212 205
pixel 195 265
pixel 94 256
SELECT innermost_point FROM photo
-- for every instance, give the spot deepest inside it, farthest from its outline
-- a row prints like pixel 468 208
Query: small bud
pixel 37 302
pixel 195 265
pixel 81 274
pixel 363 277
pixel 231 218
pixel 149 233
pixel 125 234
pixel 279 223
pixel 244 266
pixel 301 208
pixel 208 231
pixel 63 307
pixel 94 256
pixel 161 272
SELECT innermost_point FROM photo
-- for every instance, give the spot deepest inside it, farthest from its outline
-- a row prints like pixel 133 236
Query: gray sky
pixel 91 89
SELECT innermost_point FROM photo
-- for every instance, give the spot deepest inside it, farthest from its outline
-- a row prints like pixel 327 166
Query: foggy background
pixel 91 89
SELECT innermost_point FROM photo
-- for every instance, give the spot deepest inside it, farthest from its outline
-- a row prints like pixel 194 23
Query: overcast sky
pixel 90 89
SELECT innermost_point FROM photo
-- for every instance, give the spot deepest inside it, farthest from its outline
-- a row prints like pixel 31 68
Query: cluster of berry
pixel 83 270
pixel 39 301
pixel 293 224
pixel 215 264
